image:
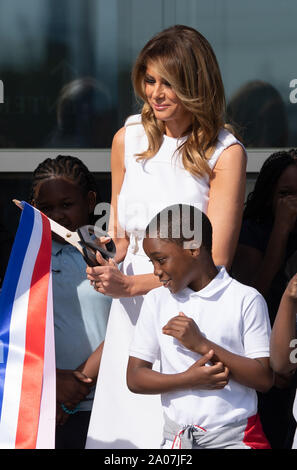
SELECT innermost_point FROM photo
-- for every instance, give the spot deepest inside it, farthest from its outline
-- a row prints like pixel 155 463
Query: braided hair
pixel 259 201
pixel 66 166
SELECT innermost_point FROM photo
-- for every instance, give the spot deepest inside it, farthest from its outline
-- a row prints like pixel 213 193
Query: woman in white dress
pixel 177 151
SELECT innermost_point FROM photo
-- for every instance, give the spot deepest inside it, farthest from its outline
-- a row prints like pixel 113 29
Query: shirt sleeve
pixel 256 328
pixel 145 344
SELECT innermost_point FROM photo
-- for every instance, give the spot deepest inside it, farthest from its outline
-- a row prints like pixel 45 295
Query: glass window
pixel 65 77
pixel 65 66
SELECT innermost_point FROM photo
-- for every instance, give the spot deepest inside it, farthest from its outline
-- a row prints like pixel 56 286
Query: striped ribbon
pixel 177 442
pixel 27 359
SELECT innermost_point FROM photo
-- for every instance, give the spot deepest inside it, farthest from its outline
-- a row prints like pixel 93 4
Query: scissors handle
pixel 90 247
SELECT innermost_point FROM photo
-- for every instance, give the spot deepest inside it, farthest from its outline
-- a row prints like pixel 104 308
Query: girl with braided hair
pixel 64 189
pixel 67 167
pixel 267 241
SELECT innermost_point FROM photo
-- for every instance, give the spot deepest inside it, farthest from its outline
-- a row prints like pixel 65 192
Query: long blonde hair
pixel 185 59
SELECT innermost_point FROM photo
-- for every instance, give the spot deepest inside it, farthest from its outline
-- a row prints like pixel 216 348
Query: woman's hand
pixel 108 279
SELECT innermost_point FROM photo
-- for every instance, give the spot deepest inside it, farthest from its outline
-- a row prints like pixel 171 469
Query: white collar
pixel 219 282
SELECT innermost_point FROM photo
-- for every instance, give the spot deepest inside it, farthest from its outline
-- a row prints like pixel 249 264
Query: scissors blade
pixel 69 237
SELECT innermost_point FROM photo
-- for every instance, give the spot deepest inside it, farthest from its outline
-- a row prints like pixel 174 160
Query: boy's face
pixel 175 266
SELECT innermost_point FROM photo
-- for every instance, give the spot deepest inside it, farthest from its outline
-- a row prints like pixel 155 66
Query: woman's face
pixel 166 106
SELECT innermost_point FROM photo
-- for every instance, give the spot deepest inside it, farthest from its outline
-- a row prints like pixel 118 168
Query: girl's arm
pixel 142 379
pixel 84 376
pixel 253 373
pixel 90 368
pixel 226 201
pixel 284 331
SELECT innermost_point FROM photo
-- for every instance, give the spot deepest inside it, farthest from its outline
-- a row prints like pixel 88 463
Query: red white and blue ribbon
pixel 27 350
pixel 177 442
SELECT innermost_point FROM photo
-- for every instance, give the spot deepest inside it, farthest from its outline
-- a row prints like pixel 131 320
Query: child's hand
pixel 61 416
pixel 185 330
pixel 207 377
pixel 69 388
pixel 286 212
pixel 291 290
pixel 82 377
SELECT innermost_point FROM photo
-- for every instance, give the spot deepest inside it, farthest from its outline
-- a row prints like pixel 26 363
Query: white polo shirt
pixel 228 313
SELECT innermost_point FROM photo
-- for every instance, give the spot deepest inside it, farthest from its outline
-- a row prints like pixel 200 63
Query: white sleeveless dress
pixel 121 419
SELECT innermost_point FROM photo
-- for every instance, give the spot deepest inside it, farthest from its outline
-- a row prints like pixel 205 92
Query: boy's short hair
pixel 182 224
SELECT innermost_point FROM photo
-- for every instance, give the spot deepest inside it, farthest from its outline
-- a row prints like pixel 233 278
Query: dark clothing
pixel 257 236
pixel 275 407
pixel 6 242
pixel 73 434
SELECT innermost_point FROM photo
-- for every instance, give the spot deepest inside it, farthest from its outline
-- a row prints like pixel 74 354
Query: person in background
pixel 258 113
pixel 267 240
pixel 283 343
pixel 84 115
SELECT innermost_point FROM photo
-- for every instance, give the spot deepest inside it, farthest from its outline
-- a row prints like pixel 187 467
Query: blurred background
pixel 65 66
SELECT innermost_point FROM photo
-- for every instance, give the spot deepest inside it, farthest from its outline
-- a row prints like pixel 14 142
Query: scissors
pixel 83 239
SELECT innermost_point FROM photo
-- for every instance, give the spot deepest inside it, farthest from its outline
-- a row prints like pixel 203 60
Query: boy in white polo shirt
pixel 211 334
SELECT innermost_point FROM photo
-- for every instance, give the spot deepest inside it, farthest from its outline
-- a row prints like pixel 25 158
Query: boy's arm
pixel 145 349
pixel 142 379
pixel 284 331
pixel 253 373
